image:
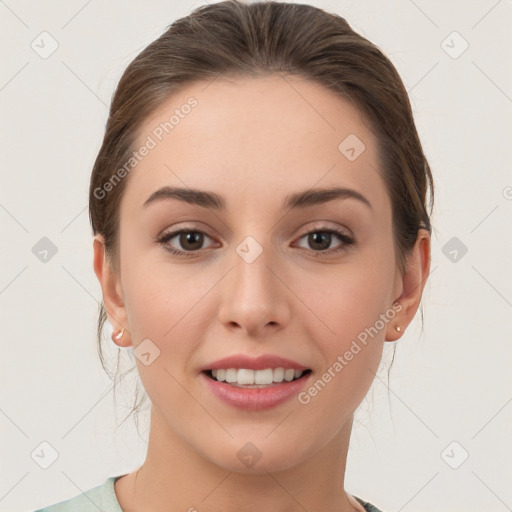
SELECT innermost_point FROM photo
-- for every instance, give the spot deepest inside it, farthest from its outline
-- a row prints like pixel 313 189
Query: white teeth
pixel 261 376
pixel 278 375
pixel 246 377
pixel 289 374
pixel 231 375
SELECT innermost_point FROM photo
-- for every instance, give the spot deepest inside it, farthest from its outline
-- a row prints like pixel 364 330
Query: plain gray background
pixel 450 389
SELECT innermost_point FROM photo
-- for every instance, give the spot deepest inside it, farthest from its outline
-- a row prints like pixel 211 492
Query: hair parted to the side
pixel 235 39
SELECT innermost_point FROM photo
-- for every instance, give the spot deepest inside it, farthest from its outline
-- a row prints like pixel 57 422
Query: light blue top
pixel 104 498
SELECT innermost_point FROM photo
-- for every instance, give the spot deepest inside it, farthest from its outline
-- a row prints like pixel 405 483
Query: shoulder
pixel 102 497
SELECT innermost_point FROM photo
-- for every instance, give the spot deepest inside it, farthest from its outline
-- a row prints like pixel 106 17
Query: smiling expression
pixel 287 250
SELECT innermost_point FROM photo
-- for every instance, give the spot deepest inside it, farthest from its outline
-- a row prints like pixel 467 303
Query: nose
pixel 254 297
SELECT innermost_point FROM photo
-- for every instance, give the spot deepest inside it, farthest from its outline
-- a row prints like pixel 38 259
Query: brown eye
pixel 188 242
pixel 191 241
pixel 320 240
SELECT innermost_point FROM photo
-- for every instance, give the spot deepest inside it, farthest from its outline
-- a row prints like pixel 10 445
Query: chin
pixel 253 459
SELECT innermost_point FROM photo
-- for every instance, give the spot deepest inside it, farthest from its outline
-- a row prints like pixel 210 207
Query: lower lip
pixel 255 399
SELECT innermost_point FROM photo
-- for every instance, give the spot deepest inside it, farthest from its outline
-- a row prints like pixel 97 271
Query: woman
pixel 261 229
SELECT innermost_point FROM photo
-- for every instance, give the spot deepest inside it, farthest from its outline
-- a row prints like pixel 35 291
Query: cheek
pixel 354 308
pixel 164 312
pixel 159 296
pixel 350 297
pixel 351 307
pixel 165 305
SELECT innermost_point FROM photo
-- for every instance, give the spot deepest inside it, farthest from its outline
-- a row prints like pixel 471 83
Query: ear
pixel 410 285
pixel 112 292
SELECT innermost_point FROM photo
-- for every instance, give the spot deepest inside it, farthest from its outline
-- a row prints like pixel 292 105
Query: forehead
pixel 255 134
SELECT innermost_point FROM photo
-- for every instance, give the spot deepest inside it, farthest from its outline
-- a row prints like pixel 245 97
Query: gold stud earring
pixel 398 328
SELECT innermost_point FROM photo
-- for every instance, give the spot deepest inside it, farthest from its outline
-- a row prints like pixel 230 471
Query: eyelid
pixel 320 225
pixel 344 235
pixel 181 228
pixel 176 231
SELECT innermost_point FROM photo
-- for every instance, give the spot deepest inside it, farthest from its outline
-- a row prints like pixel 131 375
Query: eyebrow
pixel 292 201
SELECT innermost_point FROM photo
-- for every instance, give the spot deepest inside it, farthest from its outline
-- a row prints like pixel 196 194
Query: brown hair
pixel 238 39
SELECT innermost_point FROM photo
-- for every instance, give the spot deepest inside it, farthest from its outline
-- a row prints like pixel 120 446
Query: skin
pixel 253 141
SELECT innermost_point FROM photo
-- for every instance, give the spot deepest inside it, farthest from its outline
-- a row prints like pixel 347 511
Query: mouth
pixel 247 378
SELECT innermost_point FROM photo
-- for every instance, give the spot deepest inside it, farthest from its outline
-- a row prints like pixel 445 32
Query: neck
pixel 174 473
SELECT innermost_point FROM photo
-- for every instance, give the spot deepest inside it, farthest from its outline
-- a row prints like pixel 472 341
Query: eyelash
pixel 346 240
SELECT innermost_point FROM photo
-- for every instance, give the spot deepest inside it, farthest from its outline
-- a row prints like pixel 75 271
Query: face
pixel 264 273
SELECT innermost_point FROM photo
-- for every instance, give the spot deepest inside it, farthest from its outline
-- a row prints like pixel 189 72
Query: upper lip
pixel 254 363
